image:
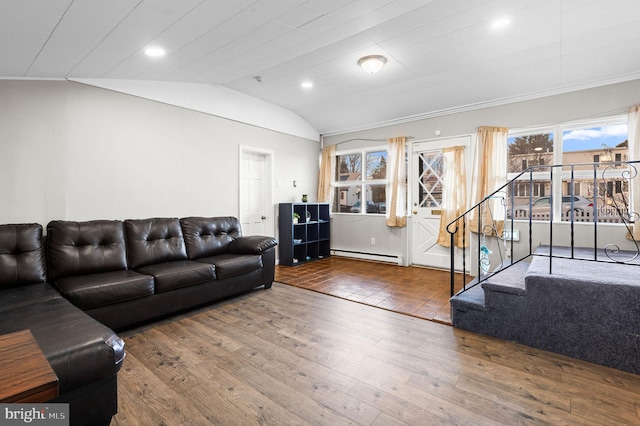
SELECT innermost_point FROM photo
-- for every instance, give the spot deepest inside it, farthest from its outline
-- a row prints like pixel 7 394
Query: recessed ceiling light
pixel 500 23
pixel 154 51
pixel 306 85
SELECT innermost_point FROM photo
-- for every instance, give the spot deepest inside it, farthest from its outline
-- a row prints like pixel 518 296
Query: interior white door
pixel 427 187
pixel 254 190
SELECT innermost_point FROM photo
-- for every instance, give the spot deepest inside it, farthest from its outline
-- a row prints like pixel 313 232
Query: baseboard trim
pixel 389 258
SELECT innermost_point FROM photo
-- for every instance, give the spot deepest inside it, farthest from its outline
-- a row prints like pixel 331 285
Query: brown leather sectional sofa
pixel 92 277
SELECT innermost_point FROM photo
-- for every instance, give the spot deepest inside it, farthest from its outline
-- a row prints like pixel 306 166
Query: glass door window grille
pixel 430 179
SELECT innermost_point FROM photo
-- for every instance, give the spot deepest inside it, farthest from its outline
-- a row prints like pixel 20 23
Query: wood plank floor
pixel 416 291
pixel 288 356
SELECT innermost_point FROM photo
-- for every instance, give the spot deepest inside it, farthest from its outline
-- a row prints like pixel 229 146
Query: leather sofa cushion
pixel 107 288
pixel 80 248
pixel 252 244
pixel 22 258
pixel 26 295
pixel 208 236
pixel 229 265
pixel 154 240
pixel 72 341
pixel 183 273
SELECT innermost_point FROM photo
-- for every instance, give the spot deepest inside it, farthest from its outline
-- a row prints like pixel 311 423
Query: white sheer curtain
pixel 454 195
pixel 327 167
pixel 396 182
pixel 489 173
pixel 633 122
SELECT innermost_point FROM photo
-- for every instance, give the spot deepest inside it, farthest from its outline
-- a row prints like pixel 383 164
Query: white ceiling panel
pixel 129 37
pixel 85 24
pixel 186 40
pixel 50 7
pixel 24 33
pixel 442 54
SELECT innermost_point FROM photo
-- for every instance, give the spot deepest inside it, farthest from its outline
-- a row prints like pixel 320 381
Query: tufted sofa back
pixel 80 248
pixel 22 259
pixel 206 236
pixel 154 240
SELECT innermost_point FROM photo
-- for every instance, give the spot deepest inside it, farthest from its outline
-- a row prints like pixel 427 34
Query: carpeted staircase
pixel 584 309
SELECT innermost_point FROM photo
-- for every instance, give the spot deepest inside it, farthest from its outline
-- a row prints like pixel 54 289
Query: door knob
pixel 415 212
pixel 263 217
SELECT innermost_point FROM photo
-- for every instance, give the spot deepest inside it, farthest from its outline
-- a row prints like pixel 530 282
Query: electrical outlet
pixel 511 235
pixel 373 241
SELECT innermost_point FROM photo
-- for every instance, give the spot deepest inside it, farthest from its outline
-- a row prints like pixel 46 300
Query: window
pixel 360 186
pixel 580 185
pixel 604 143
pixel 529 150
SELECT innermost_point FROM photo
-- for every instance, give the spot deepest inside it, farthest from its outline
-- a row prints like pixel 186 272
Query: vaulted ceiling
pixel 442 54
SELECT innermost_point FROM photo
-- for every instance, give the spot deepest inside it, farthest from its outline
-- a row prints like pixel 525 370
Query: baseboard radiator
pixel 390 258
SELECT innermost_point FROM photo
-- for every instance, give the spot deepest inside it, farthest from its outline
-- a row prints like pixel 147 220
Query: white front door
pixel 426 195
pixel 256 217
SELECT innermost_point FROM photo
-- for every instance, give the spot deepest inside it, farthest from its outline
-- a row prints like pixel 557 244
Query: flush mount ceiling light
pixel 154 51
pixel 372 63
pixel 306 85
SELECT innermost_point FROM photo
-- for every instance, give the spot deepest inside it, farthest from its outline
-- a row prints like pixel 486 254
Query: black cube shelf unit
pixel 309 238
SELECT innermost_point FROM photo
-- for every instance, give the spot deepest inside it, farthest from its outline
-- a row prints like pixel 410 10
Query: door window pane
pixel 430 168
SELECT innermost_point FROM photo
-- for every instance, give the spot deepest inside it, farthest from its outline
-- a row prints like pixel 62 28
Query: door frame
pixel 270 159
pixel 428 145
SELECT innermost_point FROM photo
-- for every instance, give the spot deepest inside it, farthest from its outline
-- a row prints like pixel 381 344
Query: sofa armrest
pixel 253 244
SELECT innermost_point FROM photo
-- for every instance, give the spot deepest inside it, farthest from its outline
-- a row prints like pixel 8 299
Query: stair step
pixel 508 278
pixel 585 272
pixel 473 298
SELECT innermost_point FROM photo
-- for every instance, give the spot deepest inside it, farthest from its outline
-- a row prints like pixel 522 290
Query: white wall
pixel 584 104
pixel 75 152
pixel 353 232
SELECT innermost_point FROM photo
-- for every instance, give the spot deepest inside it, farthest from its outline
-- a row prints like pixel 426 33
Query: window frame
pixel 560 175
pixel 363 182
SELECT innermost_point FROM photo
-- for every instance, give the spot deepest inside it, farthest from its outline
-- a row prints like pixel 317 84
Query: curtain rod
pixel 368 140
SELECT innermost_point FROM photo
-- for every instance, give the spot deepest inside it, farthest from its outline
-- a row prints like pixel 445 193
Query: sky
pixel 593 137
